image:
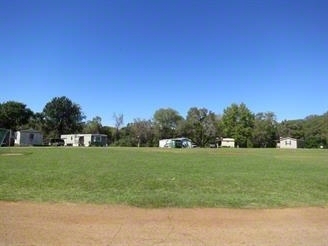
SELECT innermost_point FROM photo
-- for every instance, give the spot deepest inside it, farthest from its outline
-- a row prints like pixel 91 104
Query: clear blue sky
pixel 137 56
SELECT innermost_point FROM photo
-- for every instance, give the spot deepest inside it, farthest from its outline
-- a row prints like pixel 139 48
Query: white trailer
pixel 228 142
pixel 164 143
pixel 84 139
pixel 175 143
pixel 287 143
pixel 28 137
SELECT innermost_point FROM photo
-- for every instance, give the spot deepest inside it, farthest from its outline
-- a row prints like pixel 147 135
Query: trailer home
pixel 287 143
pixel 84 139
pixel 175 143
pixel 28 137
pixel 228 142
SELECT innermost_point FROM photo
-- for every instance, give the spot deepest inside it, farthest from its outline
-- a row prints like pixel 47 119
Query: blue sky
pixel 133 57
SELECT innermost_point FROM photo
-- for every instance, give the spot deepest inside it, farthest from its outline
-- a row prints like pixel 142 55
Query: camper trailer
pixel 228 142
pixel 84 139
pixel 175 143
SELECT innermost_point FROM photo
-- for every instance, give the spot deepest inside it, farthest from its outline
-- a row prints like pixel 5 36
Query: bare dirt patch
pixel 24 223
pixel 11 154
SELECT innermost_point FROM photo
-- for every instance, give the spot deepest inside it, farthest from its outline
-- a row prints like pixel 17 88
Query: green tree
pixel 93 126
pixel 201 126
pixel 291 128
pixel 119 121
pixel 312 130
pixel 238 123
pixel 142 133
pixel 109 131
pixel 36 122
pixel 14 115
pixel 325 129
pixel 265 131
pixel 62 116
pixel 316 131
pixel 166 122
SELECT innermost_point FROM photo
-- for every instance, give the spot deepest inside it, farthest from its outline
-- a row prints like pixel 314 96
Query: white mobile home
pixel 28 137
pixel 84 139
pixel 163 143
pixel 228 142
pixel 175 143
pixel 287 143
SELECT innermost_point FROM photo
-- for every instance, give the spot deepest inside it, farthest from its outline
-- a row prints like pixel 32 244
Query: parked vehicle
pixel 56 142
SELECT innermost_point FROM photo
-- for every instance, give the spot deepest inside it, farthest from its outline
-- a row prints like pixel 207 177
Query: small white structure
pixel 84 139
pixel 28 137
pixel 287 143
pixel 163 143
pixel 228 142
pixel 175 143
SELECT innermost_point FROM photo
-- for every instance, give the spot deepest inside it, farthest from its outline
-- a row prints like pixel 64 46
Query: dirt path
pixel 71 224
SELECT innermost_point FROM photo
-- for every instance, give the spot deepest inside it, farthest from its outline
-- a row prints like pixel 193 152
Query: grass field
pixel 153 177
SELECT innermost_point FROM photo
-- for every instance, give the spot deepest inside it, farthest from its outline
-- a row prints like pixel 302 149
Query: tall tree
pixel 119 121
pixel 142 132
pixel 316 131
pixel 13 115
pixel 291 128
pixel 325 130
pixel 265 130
pixel 93 126
pixel 166 122
pixel 238 123
pixel 109 131
pixel 36 122
pixel 201 126
pixel 62 116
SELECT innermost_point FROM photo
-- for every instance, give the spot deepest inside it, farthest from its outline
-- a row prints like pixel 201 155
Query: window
pixel 288 142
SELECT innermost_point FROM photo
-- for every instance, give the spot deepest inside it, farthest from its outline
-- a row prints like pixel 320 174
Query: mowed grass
pixel 154 177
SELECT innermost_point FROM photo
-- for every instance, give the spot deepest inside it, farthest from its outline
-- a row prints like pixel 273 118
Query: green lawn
pixel 153 177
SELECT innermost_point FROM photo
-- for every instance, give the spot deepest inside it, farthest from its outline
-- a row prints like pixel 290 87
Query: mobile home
pixel 228 142
pixel 84 139
pixel 287 143
pixel 175 143
pixel 28 137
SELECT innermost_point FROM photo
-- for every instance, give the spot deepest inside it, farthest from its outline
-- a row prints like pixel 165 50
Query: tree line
pixel 202 126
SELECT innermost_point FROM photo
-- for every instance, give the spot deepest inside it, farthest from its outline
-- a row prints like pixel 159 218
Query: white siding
pixel 82 139
pixel 28 137
pixel 288 143
pixel 228 142
pixel 87 139
pixel 70 139
pixel 171 143
pixel 164 143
